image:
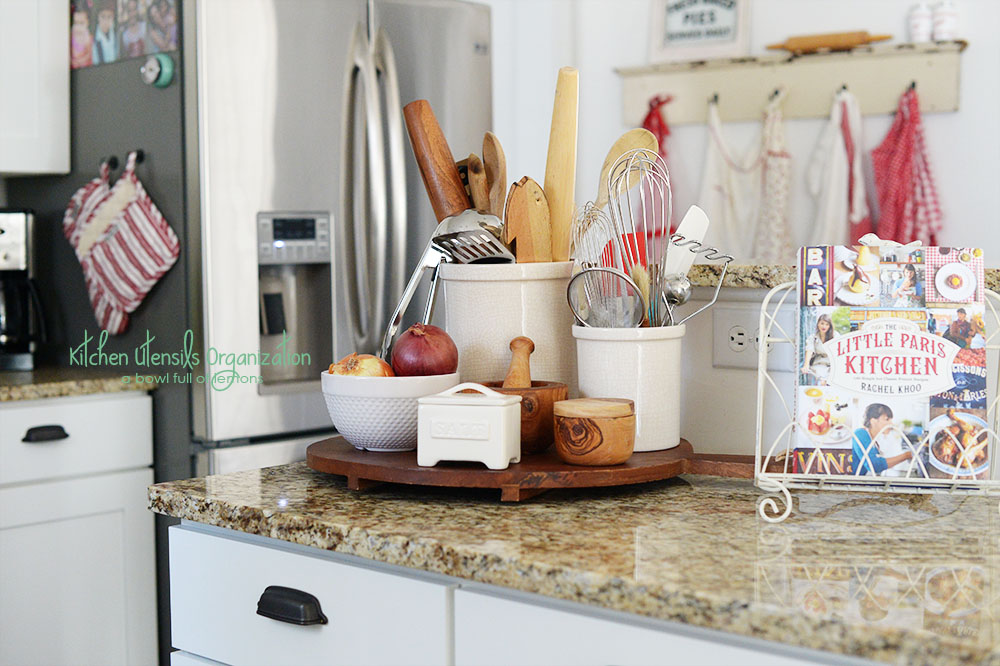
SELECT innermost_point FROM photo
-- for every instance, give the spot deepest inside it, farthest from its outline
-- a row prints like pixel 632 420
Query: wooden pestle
pixel 519 372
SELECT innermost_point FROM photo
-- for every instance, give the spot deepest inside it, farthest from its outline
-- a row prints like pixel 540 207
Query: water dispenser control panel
pixel 293 238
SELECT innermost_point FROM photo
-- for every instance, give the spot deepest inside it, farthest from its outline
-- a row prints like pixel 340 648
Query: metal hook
pixel 139 156
pixel 112 162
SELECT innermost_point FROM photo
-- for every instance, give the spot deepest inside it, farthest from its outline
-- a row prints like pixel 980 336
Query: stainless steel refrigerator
pixel 298 113
pixel 284 119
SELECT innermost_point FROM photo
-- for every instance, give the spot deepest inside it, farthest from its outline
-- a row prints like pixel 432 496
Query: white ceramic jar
pixel 488 305
pixel 920 23
pixel 945 19
pixel 641 364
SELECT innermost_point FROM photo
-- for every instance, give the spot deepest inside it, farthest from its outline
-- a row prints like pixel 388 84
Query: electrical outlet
pixel 736 337
pixel 739 339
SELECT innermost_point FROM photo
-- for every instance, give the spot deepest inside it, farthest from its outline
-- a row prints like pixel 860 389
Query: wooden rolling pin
pixel 560 165
pixel 831 41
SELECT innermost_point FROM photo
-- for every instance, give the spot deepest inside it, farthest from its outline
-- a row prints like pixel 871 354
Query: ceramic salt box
pixel 477 426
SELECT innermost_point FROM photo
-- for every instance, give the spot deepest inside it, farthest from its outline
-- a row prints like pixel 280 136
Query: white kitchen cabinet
pixel 34 80
pixel 539 634
pixel 380 614
pixel 373 617
pixel 77 551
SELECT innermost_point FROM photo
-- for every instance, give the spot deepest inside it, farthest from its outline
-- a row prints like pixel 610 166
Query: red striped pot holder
pixel 124 245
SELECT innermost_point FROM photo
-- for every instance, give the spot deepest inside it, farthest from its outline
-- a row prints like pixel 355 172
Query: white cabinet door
pixel 373 617
pixel 101 433
pixel 34 80
pixel 77 572
pixel 493 630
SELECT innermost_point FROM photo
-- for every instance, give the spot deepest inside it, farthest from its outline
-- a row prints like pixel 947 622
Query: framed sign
pixel 699 29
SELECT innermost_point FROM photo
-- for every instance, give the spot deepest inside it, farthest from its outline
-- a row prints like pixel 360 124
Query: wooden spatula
pixel 477 184
pixel 527 225
pixel 495 163
pixel 630 140
pixel 560 165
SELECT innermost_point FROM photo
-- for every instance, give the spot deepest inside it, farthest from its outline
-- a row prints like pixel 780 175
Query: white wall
pixel 533 38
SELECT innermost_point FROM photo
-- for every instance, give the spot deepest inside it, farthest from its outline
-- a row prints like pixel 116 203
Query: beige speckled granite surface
pixel 907 579
pixel 62 382
pixel 755 276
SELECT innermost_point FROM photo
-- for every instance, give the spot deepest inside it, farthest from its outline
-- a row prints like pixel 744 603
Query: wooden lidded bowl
pixel 537 397
pixel 594 431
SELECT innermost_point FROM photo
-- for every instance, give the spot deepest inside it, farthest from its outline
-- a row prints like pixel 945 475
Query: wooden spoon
pixel 495 163
pixel 477 184
pixel 630 140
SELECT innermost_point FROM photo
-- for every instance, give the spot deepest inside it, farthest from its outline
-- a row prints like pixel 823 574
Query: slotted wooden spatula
pixel 526 225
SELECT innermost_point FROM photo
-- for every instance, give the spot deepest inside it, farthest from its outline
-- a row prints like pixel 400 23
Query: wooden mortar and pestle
pixel 537 398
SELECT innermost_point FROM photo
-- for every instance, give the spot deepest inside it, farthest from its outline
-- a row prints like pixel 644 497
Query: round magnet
pixel 158 70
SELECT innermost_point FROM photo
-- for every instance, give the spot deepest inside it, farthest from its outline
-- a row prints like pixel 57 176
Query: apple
pixel 362 365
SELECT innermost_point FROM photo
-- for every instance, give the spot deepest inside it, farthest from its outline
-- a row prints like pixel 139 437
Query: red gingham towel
pixel 908 202
pixel 124 245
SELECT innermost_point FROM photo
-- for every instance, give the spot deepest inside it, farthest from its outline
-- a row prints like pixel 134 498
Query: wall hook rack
pixel 875 74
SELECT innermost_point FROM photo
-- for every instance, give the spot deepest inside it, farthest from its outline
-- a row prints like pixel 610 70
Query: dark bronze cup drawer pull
pixel 292 606
pixel 45 433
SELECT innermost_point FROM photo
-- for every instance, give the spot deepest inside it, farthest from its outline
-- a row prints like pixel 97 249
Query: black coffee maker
pixel 22 322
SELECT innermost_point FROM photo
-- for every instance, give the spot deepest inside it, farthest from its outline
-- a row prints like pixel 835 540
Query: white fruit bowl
pixel 379 413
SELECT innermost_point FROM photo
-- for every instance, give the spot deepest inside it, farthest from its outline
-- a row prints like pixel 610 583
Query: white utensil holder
pixel 487 305
pixel 641 364
pixel 470 427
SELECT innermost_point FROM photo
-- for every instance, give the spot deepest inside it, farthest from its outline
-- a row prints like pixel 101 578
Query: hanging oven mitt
pixel 79 213
pixel 125 248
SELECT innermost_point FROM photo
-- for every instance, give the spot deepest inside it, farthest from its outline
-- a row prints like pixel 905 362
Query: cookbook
pixel 891 372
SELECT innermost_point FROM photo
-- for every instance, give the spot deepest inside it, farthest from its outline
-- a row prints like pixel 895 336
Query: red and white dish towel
pixel 122 241
pixel 908 203
pixel 835 177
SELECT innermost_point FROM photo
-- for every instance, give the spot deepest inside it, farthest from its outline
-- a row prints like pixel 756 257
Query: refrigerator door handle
pixel 363 283
pixel 394 265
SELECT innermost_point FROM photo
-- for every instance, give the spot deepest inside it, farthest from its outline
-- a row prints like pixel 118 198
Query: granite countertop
pixel 909 579
pixel 764 276
pixel 62 382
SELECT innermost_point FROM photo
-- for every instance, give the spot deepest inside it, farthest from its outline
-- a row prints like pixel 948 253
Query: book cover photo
pixel 891 377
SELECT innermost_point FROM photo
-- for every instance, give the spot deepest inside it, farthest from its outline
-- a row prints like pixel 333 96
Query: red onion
pixel 424 350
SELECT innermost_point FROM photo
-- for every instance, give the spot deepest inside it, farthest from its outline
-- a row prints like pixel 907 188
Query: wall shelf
pixel 877 74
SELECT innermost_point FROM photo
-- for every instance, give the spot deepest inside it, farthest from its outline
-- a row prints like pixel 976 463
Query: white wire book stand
pixel 773 461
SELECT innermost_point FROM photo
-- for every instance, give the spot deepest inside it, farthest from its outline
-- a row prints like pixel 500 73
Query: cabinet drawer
pixel 552 636
pixel 373 617
pixel 105 433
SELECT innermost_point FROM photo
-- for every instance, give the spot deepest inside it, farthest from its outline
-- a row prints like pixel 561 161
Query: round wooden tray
pixel 533 475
